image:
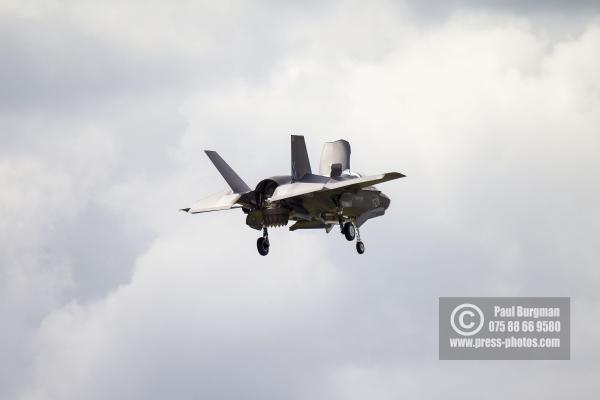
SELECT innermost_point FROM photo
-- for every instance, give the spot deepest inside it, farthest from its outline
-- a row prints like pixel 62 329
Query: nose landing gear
pixel 360 247
pixel 351 231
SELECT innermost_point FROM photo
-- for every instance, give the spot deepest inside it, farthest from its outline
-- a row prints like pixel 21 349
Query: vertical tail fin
pixel 233 180
pixel 300 161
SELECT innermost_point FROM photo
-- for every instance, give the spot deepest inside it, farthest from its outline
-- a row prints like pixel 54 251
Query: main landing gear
pixel 262 244
pixel 350 231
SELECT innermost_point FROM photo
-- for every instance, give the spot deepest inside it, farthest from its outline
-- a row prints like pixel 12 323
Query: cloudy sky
pixel 491 109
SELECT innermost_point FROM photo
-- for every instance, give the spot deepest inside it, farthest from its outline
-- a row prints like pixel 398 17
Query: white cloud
pixel 494 123
pixel 223 318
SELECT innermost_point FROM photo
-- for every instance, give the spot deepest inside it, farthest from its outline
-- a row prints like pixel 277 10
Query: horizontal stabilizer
pixel 216 202
pixel 233 180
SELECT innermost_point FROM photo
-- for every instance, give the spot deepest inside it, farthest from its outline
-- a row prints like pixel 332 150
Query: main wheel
pixel 360 247
pixel 349 231
pixel 262 245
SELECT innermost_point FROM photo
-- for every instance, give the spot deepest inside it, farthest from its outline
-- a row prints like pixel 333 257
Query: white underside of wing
pixel 294 189
pixel 363 179
pixel 300 188
pixel 218 201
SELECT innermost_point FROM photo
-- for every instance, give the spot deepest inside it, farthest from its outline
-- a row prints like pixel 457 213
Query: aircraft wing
pixel 216 202
pixel 300 188
pixel 363 181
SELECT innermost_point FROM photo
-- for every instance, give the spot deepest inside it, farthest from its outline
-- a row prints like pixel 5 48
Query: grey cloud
pixel 81 56
pixel 530 8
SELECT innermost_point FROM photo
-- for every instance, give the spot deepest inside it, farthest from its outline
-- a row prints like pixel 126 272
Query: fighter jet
pixel 335 196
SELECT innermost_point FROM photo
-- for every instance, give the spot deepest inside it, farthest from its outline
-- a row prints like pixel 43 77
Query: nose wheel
pixel 262 244
pixel 360 247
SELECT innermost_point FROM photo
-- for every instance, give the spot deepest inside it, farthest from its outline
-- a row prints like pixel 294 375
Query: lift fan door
pixel 337 152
